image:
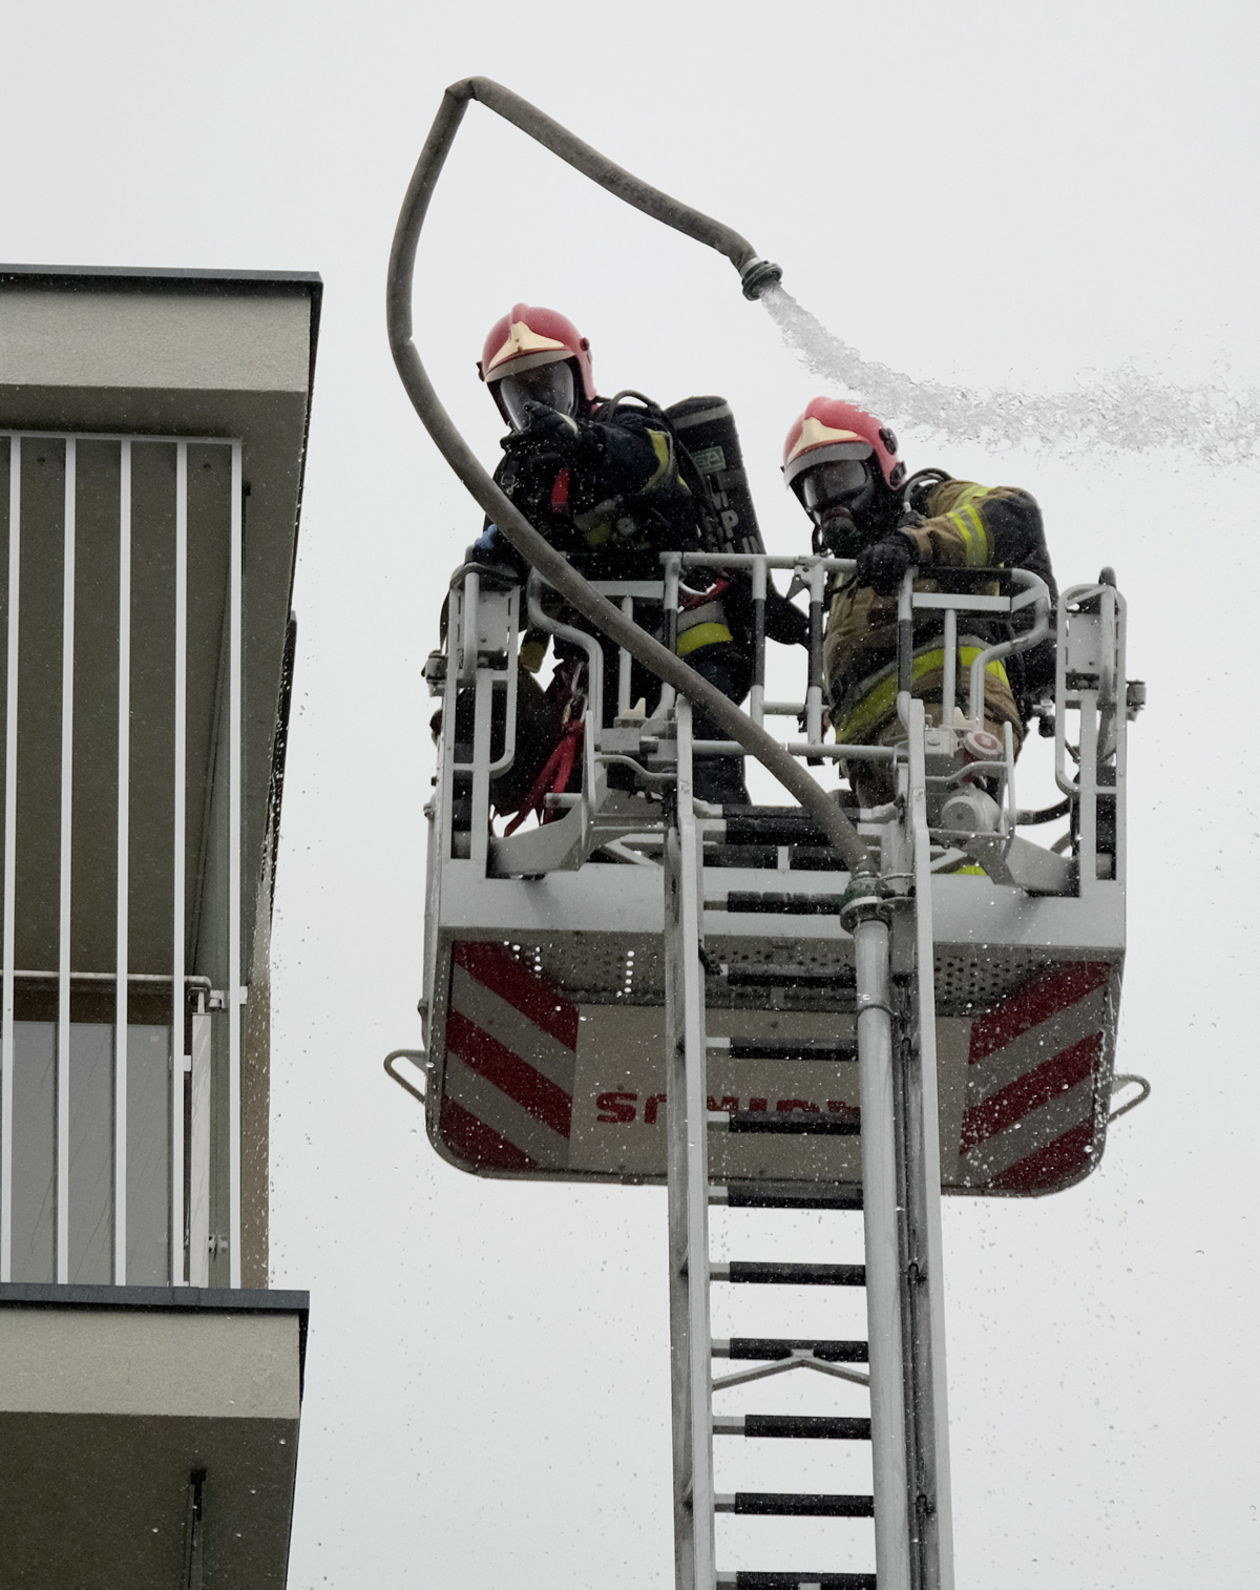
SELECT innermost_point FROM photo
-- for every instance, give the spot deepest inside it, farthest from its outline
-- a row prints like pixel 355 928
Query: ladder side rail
pixel 882 1221
pixel 688 1187
pixel 928 1390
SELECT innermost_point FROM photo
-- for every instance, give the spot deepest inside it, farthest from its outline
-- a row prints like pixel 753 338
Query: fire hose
pixel 553 566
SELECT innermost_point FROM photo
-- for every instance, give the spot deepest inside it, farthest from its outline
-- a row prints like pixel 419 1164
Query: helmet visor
pixel 550 384
pixel 839 481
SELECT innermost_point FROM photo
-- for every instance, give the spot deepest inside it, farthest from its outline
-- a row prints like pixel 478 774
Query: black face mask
pixel 836 534
pixel 553 385
pixel 850 504
pixel 840 483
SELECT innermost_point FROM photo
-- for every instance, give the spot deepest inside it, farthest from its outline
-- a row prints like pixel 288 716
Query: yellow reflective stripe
pixel 702 635
pixel 881 699
pixel 975 538
pixel 660 446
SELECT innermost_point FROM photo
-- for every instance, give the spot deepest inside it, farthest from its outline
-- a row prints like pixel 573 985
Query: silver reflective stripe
pixel 707 613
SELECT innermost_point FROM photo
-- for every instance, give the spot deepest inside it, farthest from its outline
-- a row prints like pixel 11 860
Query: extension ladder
pixel 900 1265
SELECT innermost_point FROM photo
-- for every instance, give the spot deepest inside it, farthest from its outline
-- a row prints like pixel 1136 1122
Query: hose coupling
pixel 864 898
pixel 757 275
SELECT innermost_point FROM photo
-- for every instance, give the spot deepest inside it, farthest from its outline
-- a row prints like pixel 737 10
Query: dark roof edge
pixel 238 1300
pixel 221 1300
pixel 139 276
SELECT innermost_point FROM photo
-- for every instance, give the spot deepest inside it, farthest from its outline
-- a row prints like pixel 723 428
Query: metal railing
pixel 140 539
pixel 484 630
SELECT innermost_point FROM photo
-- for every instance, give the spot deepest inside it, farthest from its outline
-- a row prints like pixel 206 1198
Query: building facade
pixel 153 434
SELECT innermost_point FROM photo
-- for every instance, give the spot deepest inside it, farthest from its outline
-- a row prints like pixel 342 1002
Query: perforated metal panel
pixel 603 969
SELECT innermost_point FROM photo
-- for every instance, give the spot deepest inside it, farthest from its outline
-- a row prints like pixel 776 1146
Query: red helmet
pixel 530 337
pixel 832 429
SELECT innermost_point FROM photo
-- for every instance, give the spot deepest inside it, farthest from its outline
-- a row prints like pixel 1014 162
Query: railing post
pixel 122 884
pixel 7 1044
pixel 61 1202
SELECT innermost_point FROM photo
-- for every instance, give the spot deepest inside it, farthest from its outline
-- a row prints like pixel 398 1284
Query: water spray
pixel 1125 411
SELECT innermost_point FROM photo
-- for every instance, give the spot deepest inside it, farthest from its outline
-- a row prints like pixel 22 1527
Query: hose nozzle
pixel 757 275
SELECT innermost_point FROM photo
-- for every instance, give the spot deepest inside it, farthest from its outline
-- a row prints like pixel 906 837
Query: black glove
pixel 883 564
pixel 550 434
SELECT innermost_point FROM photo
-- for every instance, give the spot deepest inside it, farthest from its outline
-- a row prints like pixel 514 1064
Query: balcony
pixel 152 442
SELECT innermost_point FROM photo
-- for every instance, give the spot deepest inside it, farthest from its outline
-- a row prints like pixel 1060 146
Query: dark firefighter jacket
pixel 617 500
pixel 964 526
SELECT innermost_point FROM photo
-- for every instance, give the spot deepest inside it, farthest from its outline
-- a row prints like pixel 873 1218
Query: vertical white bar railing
pixel 64 866
pixel 10 863
pixel 235 749
pixel 200 1129
pixel 122 928
pixel 178 881
pixel 949 670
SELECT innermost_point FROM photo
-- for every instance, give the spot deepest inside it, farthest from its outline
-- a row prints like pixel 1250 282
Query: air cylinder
pixel 705 426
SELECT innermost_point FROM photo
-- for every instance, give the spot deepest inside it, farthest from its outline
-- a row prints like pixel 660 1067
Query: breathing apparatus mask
pixel 843 498
pixel 552 385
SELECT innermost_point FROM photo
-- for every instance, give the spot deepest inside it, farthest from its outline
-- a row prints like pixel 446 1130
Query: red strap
pixel 554 778
pixel 560 490
pixel 699 598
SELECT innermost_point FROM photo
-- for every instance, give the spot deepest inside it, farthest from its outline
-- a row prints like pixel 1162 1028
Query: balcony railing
pixel 124 938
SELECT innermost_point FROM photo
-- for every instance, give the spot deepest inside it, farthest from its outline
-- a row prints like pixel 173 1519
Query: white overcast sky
pixel 994 195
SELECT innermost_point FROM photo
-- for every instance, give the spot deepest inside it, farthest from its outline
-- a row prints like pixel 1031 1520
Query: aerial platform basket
pixel 545 968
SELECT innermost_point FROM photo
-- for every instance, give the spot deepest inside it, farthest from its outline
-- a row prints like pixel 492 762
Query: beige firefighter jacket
pixel 962 530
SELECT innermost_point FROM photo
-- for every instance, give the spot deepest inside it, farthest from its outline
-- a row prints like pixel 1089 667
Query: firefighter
pixel 843 466
pixel 608 485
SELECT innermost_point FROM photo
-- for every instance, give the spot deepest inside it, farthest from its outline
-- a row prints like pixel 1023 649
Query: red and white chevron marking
pixel 1031 1120
pixel 511 1050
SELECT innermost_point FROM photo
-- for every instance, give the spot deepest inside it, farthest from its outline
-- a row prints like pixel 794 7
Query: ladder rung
pixel 760 1349
pixel 793 1427
pixel 791 1504
pixel 768 828
pixel 785 1049
pixel 787 975
pixel 787 1195
pixel 741 901
pixel 794 1123
pixel 798 1579
pixel 773 1273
